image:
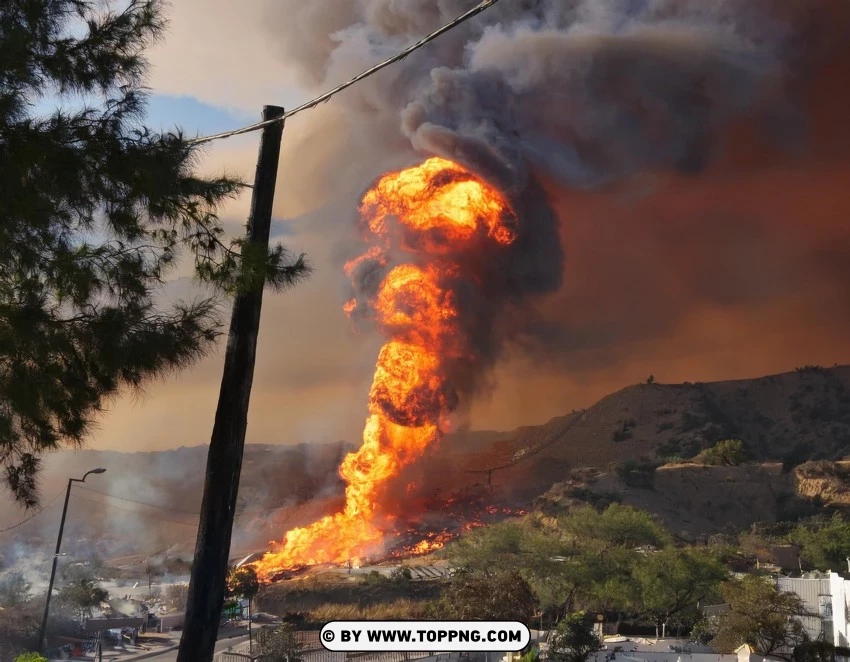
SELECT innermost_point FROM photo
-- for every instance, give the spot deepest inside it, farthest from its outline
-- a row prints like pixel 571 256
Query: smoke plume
pixel 677 141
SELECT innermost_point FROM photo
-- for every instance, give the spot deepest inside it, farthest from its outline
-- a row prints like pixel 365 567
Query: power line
pixel 138 512
pixel 486 4
pixel 141 503
pixel 260 511
pixel 35 514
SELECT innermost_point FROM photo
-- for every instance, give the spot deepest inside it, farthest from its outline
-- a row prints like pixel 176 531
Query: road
pixel 221 645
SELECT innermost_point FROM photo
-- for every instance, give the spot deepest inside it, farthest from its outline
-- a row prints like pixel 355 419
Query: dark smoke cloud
pixel 588 91
pixel 695 151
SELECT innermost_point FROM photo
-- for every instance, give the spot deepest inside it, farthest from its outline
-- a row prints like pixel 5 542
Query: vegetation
pixel 670 583
pixel 759 615
pixel 243 583
pixel 402 608
pixel 279 644
pixel 637 474
pixel 573 640
pixel 18 633
pixel 14 590
pixel 486 596
pixel 590 558
pixel 726 453
pixel 96 209
pixel 81 596
pixel 624 432
pixel 30 657
pixel 819 651
pixel 824 541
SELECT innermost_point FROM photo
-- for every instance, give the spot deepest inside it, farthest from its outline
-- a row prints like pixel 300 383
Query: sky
pixel 734 274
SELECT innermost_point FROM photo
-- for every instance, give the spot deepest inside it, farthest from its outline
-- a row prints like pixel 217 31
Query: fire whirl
pixel 428 212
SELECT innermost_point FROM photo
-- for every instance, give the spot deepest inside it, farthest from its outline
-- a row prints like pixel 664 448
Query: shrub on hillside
pixel 726 453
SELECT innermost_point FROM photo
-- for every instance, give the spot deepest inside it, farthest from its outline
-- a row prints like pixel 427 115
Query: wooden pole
pixel 224 460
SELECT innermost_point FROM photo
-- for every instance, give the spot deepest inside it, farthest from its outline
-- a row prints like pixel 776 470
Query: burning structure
pixel 449 253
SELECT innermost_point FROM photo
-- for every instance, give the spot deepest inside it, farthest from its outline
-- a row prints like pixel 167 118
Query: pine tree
pixel 94 210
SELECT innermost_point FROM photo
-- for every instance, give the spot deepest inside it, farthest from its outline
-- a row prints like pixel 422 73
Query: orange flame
pixel 435 204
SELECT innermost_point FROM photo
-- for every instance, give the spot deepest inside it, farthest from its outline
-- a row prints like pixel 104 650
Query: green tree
pixel 586 559
pixel 95 210
pixel 573 639
pixel 668 583
pixel 728 453
pixel 14 590
pixel 556 570
pixel 760 615
pixel 617 526
pixel 824 542
pixel 500 596
pixel 243 583
pixel 80 596
pixel 279 644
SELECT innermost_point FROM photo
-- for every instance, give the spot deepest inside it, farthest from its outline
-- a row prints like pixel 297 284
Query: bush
pixel 624 432
pixel 637 474
pixel 30 657
pixel 726 453
pixel 279 644
pixel 573 640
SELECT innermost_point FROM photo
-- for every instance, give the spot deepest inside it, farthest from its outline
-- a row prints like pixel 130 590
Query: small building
pixel 825 596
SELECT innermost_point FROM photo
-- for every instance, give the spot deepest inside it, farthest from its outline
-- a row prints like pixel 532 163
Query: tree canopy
pixel 97 209
pixel 81 596
pixel 824 541
pixel 616 559
pixel 279 644
pixel 243 583
pixel 500 596
pixel 760 615
pixel 669 583
pixel 573 640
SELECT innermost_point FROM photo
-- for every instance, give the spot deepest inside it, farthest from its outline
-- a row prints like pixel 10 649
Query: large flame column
pixel 429 213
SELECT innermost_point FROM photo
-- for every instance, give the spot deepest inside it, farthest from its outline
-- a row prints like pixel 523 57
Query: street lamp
pixel 56 554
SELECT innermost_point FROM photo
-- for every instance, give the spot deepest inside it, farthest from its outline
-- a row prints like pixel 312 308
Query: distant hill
pixel 613 450
pixel 791 417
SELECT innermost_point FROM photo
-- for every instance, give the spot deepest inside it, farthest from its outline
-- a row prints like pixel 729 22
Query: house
pixel 825 596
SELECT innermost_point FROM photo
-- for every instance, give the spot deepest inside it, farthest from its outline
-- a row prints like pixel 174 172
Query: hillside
pixel 791 417
pixel 613 450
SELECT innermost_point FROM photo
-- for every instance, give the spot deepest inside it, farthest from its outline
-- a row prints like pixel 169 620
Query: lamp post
pixel 99 470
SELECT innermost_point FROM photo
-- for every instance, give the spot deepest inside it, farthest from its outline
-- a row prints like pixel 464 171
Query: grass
pixel 403 608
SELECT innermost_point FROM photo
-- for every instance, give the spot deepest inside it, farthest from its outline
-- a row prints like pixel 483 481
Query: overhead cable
pixel 486 4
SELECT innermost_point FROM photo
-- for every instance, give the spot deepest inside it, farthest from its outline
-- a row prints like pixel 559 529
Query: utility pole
pixel 71 481
pixel 224 460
